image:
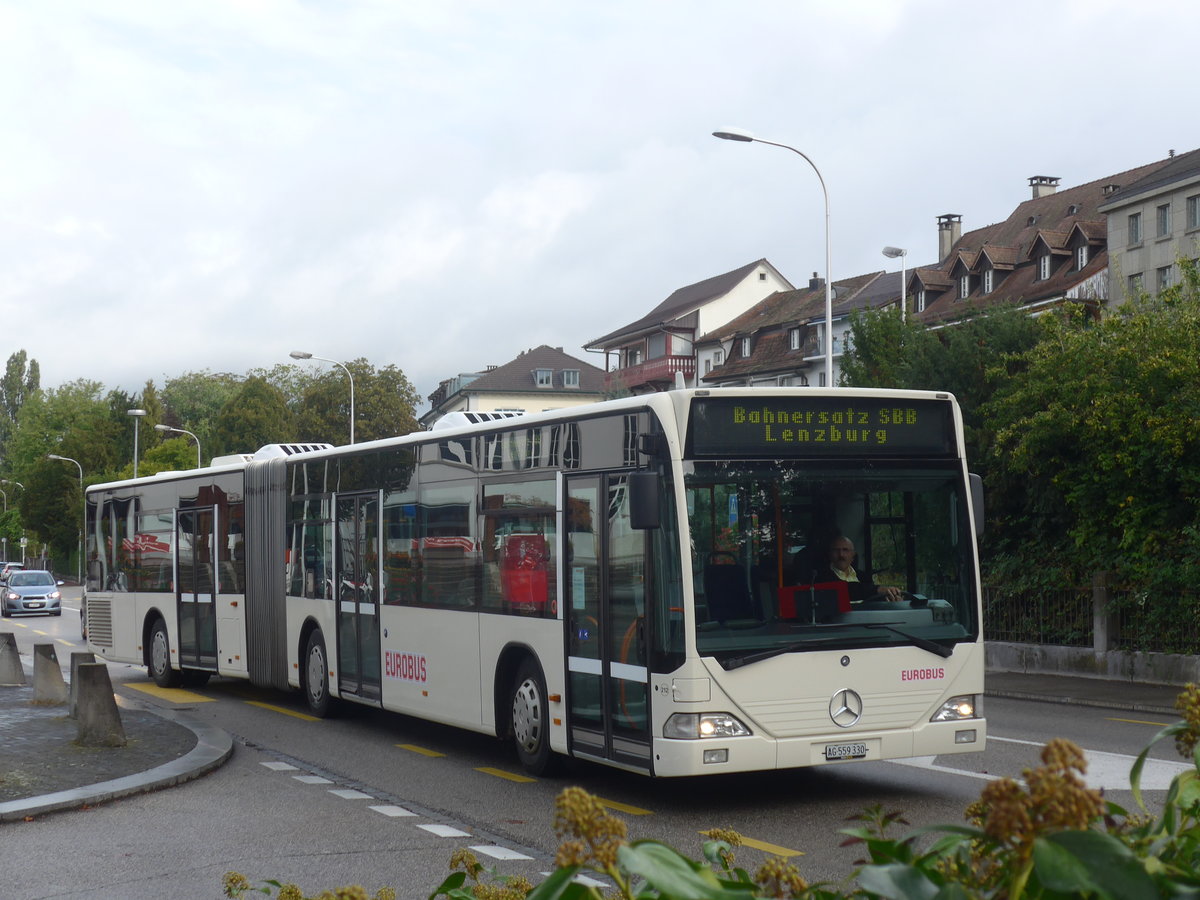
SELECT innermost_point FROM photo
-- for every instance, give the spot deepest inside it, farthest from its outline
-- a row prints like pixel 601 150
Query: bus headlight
pixel 694 726
pixel 956 708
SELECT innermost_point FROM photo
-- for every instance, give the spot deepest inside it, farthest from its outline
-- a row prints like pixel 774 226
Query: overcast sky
pixel 439 185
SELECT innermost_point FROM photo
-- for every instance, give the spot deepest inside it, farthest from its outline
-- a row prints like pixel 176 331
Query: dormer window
pixel 921 298
pixel 989 280
pixel 543 378
pixel 571 378
pixel 1081 256
pixel 794 339
pixel 964 286
pixel 745 348
pixel 1043 265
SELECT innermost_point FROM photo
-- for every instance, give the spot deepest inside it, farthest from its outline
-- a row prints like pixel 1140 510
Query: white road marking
pixel 312 779
pixel 280 766
pixel 443 830
pixel 392 811
pixel 499 852
pixel 1106 771
pixel 350 794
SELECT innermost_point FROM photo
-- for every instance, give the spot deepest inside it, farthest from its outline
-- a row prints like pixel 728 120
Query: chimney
pixel 1043 185
pixel 949 231
pixel 815 283
pixel 1109 189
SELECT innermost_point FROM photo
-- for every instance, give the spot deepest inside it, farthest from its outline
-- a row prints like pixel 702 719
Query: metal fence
pixel 1098 617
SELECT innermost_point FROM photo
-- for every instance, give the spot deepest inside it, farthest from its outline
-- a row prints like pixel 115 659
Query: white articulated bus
pixel 642 582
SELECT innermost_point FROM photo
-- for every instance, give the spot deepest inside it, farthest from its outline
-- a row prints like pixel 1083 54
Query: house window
pixel 989 280
pixel 964 287
pixel 718 357
pixel 1081 256
pixel 921 300
pixel 745 348
pixel 543 378
pixel 1135 284
pixel 571 378
pixel 1043 267
pixel 1193 212
pixel 1135 228
pixel 1162 219
pixel 708 363
pixel 1162 277
pixel 762 276
pixel 794 339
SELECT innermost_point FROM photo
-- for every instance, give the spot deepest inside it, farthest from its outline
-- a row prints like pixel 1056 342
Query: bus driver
pixel 841 568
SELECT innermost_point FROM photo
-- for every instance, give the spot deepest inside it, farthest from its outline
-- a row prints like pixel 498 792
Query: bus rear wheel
pixel 160 657
pixel 316 675
pixel 531 719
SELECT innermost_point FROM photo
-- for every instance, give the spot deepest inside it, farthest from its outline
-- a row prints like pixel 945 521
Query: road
pixel 376 798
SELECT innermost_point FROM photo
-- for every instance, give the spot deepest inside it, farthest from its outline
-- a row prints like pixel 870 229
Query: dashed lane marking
pixel 499 852
pixel 172 695
pixel 65 643
pixel 392 812
pixel 279 709
pixel 279 766
pixel 507 776
pixel 624 807
pixel 424 751
pixel 442 830
pixel 350 794
pixel 765 847
pixel 312 779
pixel 1138 722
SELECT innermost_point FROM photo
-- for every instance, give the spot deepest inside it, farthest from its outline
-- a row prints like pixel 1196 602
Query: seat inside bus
pixel 727 590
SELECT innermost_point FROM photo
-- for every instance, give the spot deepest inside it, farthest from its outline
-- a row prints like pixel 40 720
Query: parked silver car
pixel 31 591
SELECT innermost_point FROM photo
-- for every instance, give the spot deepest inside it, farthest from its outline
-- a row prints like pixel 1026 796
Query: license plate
pixel 845 751
pixel 36 605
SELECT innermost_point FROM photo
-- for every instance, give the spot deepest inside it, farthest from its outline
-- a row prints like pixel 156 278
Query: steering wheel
pixel 881 597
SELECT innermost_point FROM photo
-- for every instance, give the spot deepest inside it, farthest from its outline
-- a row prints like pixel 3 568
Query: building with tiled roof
pixel 1152 222
pixel 781 341
pixel 652 352
pixel 1052 249
pixel 540 379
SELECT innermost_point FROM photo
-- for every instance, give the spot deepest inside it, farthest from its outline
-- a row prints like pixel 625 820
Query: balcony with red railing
pixel 651 373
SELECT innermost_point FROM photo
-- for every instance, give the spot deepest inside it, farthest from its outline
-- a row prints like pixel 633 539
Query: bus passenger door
pixel 604 590
pixel 357 591
pixel 195 587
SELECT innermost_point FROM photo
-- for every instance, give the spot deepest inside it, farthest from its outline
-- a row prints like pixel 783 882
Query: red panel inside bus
pixel 829 597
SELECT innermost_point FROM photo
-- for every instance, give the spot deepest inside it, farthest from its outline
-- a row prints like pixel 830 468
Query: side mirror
pixel 977 502
pixel 643 500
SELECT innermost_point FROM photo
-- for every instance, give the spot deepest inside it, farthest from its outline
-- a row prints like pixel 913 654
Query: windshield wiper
pixel 917 641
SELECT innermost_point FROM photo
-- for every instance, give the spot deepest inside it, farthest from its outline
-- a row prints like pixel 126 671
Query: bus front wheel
pixel 316 675
pixel 531 719
pixel 160 657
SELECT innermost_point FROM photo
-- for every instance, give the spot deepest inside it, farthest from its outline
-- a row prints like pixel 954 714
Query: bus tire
pixel 160 657
pixel 530 719
pixel 316 675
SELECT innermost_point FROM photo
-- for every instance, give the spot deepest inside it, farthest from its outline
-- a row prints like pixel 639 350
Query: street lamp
pixel 79 560
pixel 137 417
pixel 165 428
pixel 737 134
pixel 892 253
pixel 301 354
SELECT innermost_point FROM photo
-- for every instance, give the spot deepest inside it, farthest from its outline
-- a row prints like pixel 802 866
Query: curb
pixel 1132 706
pixel 213 748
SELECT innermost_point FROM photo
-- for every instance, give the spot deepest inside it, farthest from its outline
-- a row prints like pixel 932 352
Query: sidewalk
pixel 42 770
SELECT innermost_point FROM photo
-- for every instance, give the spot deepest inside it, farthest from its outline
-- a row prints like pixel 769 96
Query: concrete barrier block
pixel 97 715
pixel 49 686
pixel 11 670
pixel 77 658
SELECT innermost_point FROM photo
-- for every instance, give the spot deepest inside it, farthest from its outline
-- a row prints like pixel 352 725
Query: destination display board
pixel 819 426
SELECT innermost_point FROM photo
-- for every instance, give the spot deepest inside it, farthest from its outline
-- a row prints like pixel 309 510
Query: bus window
pixel 518 548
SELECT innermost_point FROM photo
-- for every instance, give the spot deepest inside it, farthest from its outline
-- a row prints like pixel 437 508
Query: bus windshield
pixel 766 582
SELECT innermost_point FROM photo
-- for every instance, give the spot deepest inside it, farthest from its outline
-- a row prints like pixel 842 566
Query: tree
pixel 256 415
pixel 1096 456
pixel 22 379
pixel 195 399
pixel 385 405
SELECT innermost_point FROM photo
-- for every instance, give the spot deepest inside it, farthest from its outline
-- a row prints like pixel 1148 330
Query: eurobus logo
pixel 404 666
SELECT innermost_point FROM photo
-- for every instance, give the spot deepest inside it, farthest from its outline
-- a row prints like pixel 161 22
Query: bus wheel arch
pixel 527 712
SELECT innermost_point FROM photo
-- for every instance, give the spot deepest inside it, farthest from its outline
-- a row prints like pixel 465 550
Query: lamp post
pixel 79 561
pixel 737 134
pixel 892 253
pixel 301 354
pixel 166 428
pixel 137 418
